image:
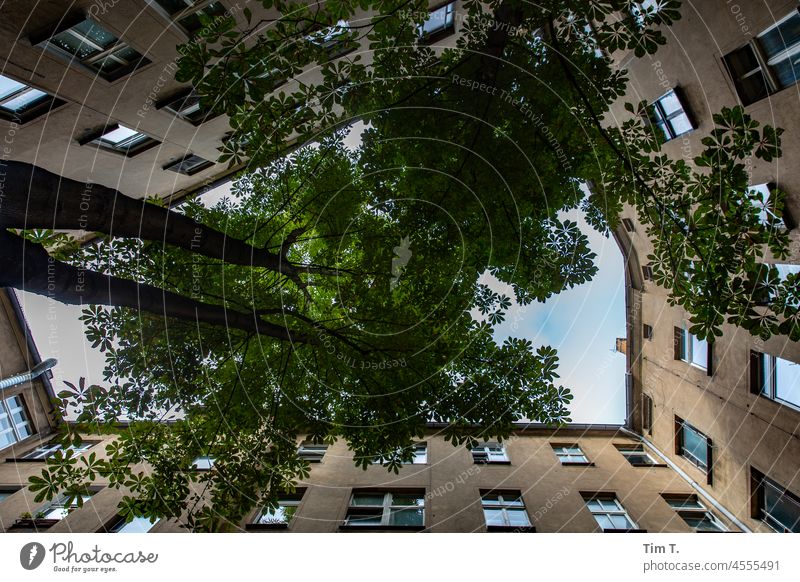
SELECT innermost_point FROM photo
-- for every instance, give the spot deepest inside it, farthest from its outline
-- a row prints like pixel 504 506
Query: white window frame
pixel 662 118
pixel 448 21
pixel 763 191
pixel 14 428
pixel 311 452
pixel 782 55
pixel 490 452
pixel 688 349
pixel 203 463
pixel 386 508
pixel 40 104
pixel 628 451
pixel 505 502
pixel 691 507
pixel 277 516
pixel 129 146
pixel 420 455
pixel 618 511
pixel 198 165
pixel 192 7
pixel 764 62
pixel 687 454
pixel 91 61
pixel 567 455
pixel 769 379
pixel 762 482
pixel 44 452
pixel 60 509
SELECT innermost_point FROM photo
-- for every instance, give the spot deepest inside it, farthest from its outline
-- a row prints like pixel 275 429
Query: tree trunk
pixel 27 267
pixel 36 198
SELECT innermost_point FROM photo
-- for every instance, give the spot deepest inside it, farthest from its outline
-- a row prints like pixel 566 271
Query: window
pixel 628 224
pixel 21 103
pixel 694 513
pixel 762 193
pixel 60 508
pixel 186 106
pixel 6 492
pixel 282 515
pixel 189 165
pixel 311 452
pixel 570 455
pixel 332 39
pixel 636 455
pixel 504 509
pixel 609 513
pixel 95 47
pixel 120 139
pixel 692 350
pixel 203 463
pixel 386 509
pixel 647 272
pixel 647 331
pixel 774 504
pixel 490 453
pixel 14 423
pixel 647 414
pixel 440 22
pixel 43 452
pixel 187 13
pixel 642 9
pixel 668 113
pixel 775 378
pixel 420 455
pixel 767 63
pixel 137 525
pixel 693 446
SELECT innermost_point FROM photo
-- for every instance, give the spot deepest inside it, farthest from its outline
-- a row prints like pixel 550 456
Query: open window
pixel 769 62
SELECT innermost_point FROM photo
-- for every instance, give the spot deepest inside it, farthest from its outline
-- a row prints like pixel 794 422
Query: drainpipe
pixel 31 374
pixel 695 485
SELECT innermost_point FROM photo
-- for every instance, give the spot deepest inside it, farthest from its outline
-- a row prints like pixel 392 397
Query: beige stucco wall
pixel 747 430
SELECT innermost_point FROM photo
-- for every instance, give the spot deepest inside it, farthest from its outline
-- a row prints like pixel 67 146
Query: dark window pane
pixel 751 85
pixel 787 71
pixel 783 36
pixel 95 33
pixel 406 517
pixel 73 45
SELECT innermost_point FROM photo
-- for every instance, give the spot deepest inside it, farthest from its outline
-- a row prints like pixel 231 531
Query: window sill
pixel 36 524
pixel 645 465
pixel 624 531
pixel 377 528
pixel 587 464
pixel 511 528
pixel 266 527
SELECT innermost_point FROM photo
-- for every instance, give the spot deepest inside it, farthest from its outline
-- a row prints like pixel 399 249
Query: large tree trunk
pixel 36 198
pixel 27 267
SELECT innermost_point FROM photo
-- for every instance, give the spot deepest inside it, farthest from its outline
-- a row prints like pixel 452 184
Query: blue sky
pixel 580 323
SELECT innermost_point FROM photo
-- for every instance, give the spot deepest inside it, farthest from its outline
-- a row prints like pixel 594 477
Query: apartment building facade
pixel 728 414
pixel 711 442
pixel 576 479
pixel 88 90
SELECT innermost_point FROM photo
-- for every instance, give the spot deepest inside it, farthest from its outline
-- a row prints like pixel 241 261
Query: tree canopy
pixel 330 295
